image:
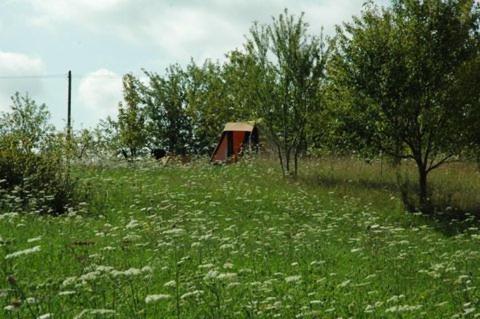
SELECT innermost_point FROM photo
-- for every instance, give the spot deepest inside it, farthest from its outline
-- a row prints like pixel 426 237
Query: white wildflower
pixel 403 308
pixel 212 274
pixel 10 308
pixel 132 224
pixel 147 269
pixel 69 281
pixel 395 298
pixel 23 252
pixel 170 284
pixel 194 293
pixel 132 272
pixel 468 310
pixel 90 276
pixel 174 231
pixel 155 298
pixel 227 276
pixel 228 265
pixel 31 240
pixel 104 268
pixel 292 279
pixel 45 316
pixel 127 273
pixel 206 266
pixel 131 237
pixel 369 309
pixel 344 284
pixel 226 246
pixel 233 284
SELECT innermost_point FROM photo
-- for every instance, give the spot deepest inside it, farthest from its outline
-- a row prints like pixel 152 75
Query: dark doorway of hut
pixel 237 139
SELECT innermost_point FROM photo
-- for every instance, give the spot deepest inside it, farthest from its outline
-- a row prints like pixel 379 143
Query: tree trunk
pixel 296 163
pixel 478 160
pixel 287 162
pixel 279 151
pixel 425 205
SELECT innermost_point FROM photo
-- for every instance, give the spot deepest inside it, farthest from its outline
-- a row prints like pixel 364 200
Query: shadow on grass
pixel 446 217
pixel 334 182
pixel 453 221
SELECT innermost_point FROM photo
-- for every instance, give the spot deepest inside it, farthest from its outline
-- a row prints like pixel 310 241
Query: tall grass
pixel 454 187
pixel 201 241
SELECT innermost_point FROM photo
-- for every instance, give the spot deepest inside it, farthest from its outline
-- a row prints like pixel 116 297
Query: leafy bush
pixel 34 171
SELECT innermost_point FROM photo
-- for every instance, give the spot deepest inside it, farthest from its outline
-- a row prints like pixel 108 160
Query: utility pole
pixel 69 118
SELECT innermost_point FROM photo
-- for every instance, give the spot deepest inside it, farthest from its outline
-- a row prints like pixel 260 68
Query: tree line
pixel 398 81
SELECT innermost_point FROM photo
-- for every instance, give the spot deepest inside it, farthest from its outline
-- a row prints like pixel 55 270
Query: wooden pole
pixel 69 118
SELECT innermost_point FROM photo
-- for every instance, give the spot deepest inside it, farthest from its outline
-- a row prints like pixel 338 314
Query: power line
pixel 60 76
pixel 24 77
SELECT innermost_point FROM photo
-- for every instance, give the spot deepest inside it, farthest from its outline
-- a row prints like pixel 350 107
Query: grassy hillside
pixel 204 241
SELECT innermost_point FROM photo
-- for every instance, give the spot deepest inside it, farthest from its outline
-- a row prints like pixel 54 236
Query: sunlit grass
pixel 202 241
pixel 454 186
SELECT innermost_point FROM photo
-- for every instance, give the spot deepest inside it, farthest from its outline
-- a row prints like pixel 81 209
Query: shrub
pixel 34 170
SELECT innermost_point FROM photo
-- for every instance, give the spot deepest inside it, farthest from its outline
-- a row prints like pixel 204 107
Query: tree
pixel 212 101
pixel 165 99
pixel 398 68
pixel 131 118
pixel 34 175
pixel 27 122
pixel 286 72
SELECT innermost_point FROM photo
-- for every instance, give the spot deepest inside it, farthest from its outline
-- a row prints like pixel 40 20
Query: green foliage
pixel 131 118
pixel 184 110
pixel 26 127
pixel 107 135
pixel 396 71
pixel 165 106
pixel 286 73
pixel 34 175
pixel 212 101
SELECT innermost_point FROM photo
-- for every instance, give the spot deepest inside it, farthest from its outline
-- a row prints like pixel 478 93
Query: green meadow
pixel 239 241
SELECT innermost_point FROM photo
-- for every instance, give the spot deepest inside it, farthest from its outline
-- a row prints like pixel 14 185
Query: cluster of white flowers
pixel 293 279
pixel 27 251
pixel 95 312
pixel 170 284
pixel 156 298
pixel 31 240
pixel 403 308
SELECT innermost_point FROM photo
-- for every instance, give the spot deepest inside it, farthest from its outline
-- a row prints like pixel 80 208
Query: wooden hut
pixel 236 138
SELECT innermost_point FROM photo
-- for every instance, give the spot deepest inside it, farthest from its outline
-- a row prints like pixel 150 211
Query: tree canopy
pixel 399 69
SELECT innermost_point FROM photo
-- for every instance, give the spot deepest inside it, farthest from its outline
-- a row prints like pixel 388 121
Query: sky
pixel 100 40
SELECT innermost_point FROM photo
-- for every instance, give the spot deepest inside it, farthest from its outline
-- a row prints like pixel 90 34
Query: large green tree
pixel 131 117
pixel 213 99
pixel 165 100
pixel 396 71
pixel 284 80
pixel 27 123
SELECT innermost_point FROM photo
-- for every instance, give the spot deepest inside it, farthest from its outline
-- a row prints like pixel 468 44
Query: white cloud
pixel 18 72
pixel 162 32
pixel 184 29
pixel 77 11
pixel 99 93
